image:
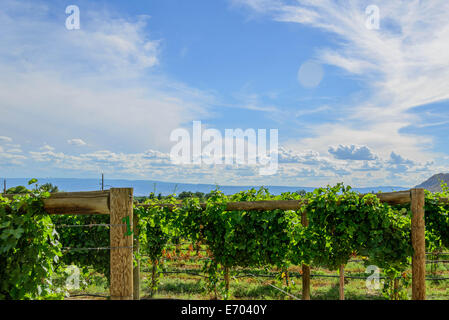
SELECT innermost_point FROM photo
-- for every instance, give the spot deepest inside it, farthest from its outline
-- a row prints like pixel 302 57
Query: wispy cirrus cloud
pixel 404 65
pixel 10 154
pixel 102 78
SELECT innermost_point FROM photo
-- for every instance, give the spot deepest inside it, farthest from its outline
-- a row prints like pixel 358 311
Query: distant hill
pixel 433 184
pixel 144 187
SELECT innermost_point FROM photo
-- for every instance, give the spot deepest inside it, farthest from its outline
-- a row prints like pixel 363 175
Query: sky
pixel 353 104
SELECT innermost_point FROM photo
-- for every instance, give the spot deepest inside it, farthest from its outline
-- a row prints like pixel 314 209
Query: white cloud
pixel 15 150
pixel 352 152
pixel 136 164
pixel 10 154
pixel 46 147
pixel 5 139
pixel 76 142
pixel 11 157
pixel 370 166
pixel 396 159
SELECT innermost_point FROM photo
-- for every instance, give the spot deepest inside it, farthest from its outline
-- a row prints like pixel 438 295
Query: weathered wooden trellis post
pixel 305 268
pixel 419 244
pixel 121 213
pixel 341 287
pixel 136 271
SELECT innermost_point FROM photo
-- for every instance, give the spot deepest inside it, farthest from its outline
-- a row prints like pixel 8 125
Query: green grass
pixel 185 286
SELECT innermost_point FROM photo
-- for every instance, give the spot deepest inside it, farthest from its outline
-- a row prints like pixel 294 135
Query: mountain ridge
pixel 433 184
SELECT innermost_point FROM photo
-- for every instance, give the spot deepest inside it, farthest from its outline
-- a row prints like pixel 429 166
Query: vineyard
pixel 286 240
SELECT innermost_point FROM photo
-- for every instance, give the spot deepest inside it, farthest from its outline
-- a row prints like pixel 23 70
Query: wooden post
pixel 419 245
pixel 227 279
pixel 342 282
pixel 136 271
pixel 153 277
pixel 121 209
pixel 305 268
pixel 396 289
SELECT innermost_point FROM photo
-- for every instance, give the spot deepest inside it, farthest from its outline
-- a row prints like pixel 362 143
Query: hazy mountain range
pixel 144 187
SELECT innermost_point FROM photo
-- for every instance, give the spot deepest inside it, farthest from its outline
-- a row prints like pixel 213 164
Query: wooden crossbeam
pixel 76 203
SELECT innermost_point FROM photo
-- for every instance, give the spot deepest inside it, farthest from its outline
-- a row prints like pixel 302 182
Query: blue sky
pixel 105 98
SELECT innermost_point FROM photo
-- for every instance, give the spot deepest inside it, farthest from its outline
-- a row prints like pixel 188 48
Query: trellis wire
pixel 89 295
pixel 90 225
pixel 294 274
pixel 185 259
pixel 204 250
pixel 98 248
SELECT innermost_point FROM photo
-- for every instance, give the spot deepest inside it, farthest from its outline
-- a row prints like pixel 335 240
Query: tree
pixel 49 188
pixel 189 194
pixel 185 194
pixel 199 195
